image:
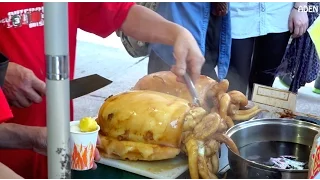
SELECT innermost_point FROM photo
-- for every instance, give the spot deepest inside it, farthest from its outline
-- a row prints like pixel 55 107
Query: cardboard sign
pixel 275 101
pixel 278 103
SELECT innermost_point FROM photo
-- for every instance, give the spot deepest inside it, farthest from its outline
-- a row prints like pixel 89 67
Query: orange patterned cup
pixel 83 145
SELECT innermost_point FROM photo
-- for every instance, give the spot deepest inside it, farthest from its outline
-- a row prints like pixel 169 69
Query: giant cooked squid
pixel 213 96
pixel 157 121
pixel 149 125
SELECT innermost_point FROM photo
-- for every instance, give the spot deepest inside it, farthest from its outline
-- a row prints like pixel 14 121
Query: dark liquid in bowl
pixel 261 152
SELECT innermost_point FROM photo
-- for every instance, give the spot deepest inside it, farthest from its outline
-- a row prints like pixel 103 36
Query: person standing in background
pixel 210 25
pixel 260 35
pixel 300 64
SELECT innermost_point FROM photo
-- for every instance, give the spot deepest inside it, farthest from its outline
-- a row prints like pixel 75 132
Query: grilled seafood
pixel 213 95
pixel 149 125
pixel 156 121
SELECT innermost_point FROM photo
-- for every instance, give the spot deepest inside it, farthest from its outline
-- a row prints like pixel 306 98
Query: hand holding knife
pixel 192 89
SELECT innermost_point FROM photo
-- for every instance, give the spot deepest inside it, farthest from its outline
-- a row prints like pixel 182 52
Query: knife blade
pixel 88 84
pixel 192 89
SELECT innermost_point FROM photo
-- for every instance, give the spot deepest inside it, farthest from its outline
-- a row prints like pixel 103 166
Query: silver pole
pixel 58 89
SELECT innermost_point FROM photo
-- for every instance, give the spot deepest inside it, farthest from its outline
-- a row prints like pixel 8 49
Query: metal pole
pixel 58 89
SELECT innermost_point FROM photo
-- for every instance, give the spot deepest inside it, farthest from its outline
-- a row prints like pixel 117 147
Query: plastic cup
pixel 83 145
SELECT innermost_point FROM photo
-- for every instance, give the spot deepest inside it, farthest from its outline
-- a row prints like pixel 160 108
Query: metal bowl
pixel 270 138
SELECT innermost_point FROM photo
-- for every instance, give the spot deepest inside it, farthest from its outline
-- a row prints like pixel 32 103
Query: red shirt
pixel 22 41
pixel 4 108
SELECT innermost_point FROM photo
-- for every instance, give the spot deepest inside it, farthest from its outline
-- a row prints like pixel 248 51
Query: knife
pixel 78 87
pixel 192 89
pixel 88 84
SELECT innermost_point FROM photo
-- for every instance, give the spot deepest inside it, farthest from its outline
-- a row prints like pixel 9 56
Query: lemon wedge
pixel 88 124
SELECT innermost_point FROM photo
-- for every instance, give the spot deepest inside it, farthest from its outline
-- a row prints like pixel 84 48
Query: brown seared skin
pixel 138 125
pixel 166 82
pixel 125 116
pixel 149 125
pixel 141 125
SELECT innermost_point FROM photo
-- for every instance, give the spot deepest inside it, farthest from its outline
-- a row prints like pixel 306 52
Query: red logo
pixel 34 17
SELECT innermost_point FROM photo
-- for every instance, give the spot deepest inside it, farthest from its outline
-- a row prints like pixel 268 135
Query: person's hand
pixel 97 156
pixel 7 173
pixel 188 56
pixel 298 23
pixel 39 144
pixel 22 87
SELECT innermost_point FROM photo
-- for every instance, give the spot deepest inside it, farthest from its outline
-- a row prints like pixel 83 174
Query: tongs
pixel 192 89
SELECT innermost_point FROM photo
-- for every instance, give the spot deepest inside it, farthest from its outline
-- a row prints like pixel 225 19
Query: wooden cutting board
pixel 165 169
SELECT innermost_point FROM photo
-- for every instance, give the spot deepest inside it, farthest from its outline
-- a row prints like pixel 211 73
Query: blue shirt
pixel 252 19
pixel 194 16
